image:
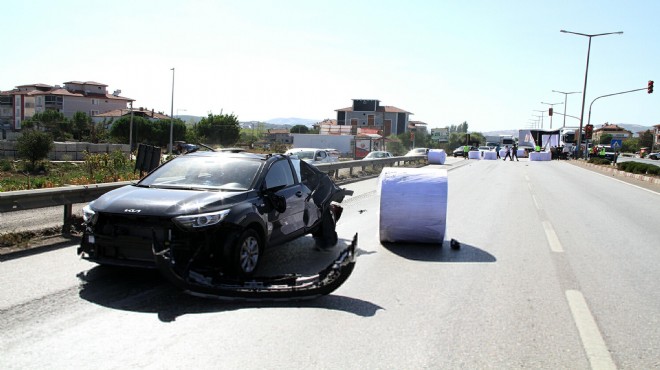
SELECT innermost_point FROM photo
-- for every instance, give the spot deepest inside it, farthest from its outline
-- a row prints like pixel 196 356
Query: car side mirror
pixel 273 200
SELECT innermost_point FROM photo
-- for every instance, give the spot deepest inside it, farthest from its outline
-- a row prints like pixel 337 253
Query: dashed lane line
pixel 592 341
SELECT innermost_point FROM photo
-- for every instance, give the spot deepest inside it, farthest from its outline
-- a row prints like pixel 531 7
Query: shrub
pixel 653 170
pixel 599 161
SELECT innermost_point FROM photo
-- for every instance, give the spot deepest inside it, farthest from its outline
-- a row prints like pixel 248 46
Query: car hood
pixel 164 202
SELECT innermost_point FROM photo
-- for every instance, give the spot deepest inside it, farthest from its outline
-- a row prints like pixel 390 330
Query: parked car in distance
pixel 460 152
pixel 333 153
pixel 312 155
pixel 217 211
pixel 418 151
pixel 654 156
pixel 378 154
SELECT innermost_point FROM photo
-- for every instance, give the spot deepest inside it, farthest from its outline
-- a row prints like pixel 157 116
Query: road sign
pixel 616 144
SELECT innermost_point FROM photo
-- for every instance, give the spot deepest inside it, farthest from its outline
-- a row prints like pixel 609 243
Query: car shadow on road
pixel 147 291
pixel 440 253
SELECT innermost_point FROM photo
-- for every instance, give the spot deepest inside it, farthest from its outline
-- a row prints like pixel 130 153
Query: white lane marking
pixel 527 178
pixel 529 185
pixel 592 341
pixel 536 203
pixel 627 183
pixel 553 240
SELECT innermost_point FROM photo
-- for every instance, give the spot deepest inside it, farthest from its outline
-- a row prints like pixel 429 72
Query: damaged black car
pixel 205 218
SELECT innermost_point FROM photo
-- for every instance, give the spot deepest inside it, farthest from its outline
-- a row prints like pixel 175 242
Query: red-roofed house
pixel 616 131
pixel 368 113
pixel 25 101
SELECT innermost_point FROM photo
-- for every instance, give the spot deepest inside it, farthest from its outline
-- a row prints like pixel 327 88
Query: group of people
pixel 509 152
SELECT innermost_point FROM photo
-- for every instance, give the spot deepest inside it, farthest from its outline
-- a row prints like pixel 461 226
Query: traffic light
pixel 550 112
pixel 588 130
pixel 650 90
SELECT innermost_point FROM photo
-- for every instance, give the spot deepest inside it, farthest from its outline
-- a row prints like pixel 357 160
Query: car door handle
pixel 299 194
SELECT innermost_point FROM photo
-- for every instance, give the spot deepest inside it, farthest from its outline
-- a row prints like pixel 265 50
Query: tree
pixel 34 145
pixel 395 146
pixel 223 129
pixel 605 139
pixel 646 139
pixel 82 126
pixel 155 133
pixel 630 145
pixel 53 122
pixel 299 129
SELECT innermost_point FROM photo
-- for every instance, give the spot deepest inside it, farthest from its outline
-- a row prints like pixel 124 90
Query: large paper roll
pixel 413 205
pixel 490 155
pixel 521 153
pixel 540 156
pixel 474 154
pixel 437 156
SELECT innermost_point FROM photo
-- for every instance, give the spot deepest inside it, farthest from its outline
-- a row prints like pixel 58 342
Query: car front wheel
pixel 247 253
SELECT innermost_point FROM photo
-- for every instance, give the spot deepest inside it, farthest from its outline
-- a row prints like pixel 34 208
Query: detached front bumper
pixel 275 288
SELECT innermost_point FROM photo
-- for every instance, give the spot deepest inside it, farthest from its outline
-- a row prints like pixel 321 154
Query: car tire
pixel 247 253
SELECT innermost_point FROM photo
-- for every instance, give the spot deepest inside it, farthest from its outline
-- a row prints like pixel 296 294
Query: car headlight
pixel 89 216
pixel 201 220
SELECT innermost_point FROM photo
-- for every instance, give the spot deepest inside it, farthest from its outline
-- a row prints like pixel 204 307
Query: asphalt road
pixel 558 269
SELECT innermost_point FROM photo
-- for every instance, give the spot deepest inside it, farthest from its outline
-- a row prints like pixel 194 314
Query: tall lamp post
pixel 565 95
pixel 172 114
pixel 586 73
pixel 540 111
pixel 551 107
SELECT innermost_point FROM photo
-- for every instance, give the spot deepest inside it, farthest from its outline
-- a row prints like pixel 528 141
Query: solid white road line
pixel 592 341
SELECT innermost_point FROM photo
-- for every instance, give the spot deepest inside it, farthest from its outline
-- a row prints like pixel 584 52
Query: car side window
pixel 321 155
pixel 279 174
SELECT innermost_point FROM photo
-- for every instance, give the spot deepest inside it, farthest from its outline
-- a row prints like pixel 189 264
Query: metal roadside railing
pixel 67 196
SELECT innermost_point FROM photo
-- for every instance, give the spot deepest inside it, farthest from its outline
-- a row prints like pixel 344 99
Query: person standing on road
pixel 514 150
pixel 466 149
pixel 497 150
pixel 508 153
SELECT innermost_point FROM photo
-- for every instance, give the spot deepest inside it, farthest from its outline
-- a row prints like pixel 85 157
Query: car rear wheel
pixel 247 253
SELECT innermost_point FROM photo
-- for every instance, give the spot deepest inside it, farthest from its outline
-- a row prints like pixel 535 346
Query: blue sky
pixel 490 63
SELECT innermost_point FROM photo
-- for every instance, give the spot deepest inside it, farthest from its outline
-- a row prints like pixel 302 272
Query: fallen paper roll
pixel 490 155
pixel 413 205
pixel 437 156
pixel 540 156
pixel 474 154
pixel 521 153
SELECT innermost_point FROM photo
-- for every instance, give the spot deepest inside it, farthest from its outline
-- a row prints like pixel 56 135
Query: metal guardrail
pixel 21 200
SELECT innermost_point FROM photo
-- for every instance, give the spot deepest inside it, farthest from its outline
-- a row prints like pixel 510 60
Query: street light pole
pixel 541 111
pixel 586 73
pixel 172 114
pixel 565 95
pixel 551 107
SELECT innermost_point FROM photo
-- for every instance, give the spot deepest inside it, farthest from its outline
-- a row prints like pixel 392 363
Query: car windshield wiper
pixel 141 186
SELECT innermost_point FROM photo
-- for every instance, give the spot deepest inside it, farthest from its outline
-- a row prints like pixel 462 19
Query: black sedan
pixel 212 212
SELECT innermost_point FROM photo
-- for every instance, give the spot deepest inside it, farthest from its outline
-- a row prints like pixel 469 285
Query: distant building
pixel 369 113
pixel 279 136
pixel 616 131
pixel 25 101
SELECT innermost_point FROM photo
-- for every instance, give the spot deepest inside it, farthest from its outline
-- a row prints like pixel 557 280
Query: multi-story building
pixel 368 113
pixel 616 131
pixel 25 101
